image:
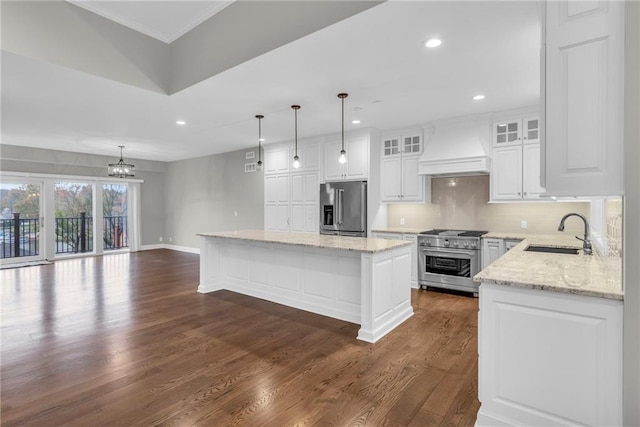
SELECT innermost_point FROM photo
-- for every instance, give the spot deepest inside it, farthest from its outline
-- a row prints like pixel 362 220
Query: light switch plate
pixel 523 224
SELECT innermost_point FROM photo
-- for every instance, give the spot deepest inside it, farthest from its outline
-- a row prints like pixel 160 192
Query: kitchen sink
pixel 552 249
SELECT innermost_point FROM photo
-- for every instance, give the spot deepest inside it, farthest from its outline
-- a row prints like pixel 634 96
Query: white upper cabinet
pixel 507 133
pixel 357 164
pixel 400 181
pixel 506 173
pixel 515 171
pixel 276 160
pixel 583 91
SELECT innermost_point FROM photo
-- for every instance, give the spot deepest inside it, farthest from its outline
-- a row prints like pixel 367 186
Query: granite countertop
pixel 589 275
pixel 398 230
pixel 356 244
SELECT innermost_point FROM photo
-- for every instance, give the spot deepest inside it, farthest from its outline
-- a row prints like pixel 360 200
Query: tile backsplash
pixel 461 203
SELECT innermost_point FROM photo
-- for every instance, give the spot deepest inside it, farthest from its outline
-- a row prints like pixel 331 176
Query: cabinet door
pixel 391 146
pixel 411 144
pixel 333 170
pixel 391 179
pixel 584 107
pixel 510 243
pixel 507 132
pixel 531 188
pixel 531 130
pixel 357 165
pixel 506 173
pixel 412 182
pixel 309 157
pixel 276 160
pixel 276 189
pixel 492 249
pixel 297 217
pixel 414 258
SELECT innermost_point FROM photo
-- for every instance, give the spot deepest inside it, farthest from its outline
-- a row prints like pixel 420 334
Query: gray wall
pixel 202 195
pixel 37 160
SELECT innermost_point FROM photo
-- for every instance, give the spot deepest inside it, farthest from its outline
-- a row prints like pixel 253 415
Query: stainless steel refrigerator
pixel 343 208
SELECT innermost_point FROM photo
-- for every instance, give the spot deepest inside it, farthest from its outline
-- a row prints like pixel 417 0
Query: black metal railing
pixel 115 232
pixel 74 235
pixel 19 236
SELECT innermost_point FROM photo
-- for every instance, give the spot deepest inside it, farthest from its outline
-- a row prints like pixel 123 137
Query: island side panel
pixel 386 292
pixel 322 281
pixel 211 273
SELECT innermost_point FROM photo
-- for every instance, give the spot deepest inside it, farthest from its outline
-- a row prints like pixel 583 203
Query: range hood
pixel 455 149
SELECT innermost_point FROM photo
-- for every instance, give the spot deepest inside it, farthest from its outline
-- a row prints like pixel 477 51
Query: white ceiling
pixel 376 56
pixel 163 20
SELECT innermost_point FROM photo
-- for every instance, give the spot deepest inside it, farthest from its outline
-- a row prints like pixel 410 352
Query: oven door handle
pixel 457 254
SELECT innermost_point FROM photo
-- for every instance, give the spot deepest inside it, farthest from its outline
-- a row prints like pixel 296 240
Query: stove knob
pixel 446 243
pixel 474 245
pixel 455 244
pixel 466 244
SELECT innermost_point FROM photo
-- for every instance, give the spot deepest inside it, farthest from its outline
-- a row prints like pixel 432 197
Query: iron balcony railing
pixel 19 237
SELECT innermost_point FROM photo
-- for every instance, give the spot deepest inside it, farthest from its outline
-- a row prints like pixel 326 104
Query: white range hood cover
pixel 456 149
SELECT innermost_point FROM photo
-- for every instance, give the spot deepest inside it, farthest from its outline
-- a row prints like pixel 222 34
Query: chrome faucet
pixel 586 244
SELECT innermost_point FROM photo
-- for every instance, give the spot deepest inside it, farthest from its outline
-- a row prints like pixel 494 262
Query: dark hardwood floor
pixel 126 340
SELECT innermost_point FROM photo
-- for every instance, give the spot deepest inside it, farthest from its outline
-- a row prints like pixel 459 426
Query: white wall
pixel 203 194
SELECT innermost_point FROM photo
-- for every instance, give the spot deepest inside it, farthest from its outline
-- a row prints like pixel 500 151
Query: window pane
pixel 114 210
pixel 74 217
pixel 19 202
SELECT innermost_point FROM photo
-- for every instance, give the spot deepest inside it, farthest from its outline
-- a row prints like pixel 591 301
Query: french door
pixel 21 225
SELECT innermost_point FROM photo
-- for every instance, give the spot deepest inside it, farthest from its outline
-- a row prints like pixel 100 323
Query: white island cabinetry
pixel 358 280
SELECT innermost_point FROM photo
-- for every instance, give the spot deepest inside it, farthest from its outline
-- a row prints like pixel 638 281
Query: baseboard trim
pixel 171 247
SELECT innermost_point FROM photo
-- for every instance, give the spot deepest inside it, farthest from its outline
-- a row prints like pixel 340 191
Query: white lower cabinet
pixel 414 250
pixel 492 249
pixel 304 202
pixel 548 358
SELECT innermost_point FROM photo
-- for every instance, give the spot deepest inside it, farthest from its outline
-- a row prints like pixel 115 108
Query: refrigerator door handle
pixel 340 206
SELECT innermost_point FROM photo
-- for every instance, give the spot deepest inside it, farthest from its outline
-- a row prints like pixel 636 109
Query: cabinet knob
pixel 525 193
pixel 518 193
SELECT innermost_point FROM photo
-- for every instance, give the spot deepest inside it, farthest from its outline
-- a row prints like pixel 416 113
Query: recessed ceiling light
pixel 433 43
pixel 181 122
pixel 355 122
pixel 478 97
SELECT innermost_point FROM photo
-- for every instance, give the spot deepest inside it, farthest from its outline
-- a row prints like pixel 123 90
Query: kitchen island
pixel 550 337
pixel 358 280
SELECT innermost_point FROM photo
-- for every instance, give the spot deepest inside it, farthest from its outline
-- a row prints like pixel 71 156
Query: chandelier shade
pixel 122 169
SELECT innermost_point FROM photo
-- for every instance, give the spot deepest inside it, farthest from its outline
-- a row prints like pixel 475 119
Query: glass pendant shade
pixel 122 169
pixel 343 154
pixel 296 159
pixel 260 139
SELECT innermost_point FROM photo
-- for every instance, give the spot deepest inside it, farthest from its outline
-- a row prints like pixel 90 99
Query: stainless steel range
pixel 449 259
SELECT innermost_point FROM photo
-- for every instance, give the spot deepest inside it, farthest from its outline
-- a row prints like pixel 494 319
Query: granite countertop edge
pixel 343 243
pixel 592 275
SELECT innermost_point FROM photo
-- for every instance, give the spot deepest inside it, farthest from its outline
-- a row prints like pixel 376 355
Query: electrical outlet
pixel 170 239
pixel 235 213
pixel 160 239
pixel 523 224
pixel 401 221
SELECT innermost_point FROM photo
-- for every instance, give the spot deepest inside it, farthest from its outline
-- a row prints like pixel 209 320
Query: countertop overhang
pixel 588 275
pixel 345 243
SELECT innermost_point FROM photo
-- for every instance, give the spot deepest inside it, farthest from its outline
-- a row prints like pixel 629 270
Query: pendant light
pixel 343 153
pixel 259 164
pixel 296 159
pixel 122 169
